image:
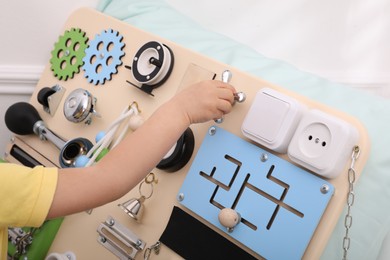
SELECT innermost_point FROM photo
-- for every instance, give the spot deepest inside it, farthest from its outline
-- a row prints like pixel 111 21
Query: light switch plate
pixel 272 119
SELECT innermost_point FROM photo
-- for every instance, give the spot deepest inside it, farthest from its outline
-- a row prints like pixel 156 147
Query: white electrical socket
pixel 272 119
pixel 323 143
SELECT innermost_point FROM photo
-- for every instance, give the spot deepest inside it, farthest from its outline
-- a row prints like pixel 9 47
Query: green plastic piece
pixel 42 239
pixel 102 154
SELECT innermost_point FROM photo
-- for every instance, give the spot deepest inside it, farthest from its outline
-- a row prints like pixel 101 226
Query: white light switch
pixel 272 119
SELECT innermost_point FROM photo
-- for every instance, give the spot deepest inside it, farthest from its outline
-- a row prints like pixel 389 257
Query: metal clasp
pixel 119 240
pixel 155 248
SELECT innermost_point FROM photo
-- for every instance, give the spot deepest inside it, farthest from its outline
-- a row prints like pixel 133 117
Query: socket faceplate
pixel 322 143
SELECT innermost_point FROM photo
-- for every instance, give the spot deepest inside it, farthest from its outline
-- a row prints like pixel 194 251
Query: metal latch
pixel 20 239
pixel 119 239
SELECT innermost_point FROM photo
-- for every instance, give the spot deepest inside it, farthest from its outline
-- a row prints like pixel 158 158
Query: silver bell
pixel 134 208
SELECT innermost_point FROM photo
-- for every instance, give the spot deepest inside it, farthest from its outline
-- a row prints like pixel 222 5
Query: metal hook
pixel 155 248
pixel 136 106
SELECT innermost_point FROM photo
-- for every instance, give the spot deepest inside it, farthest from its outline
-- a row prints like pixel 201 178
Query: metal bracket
pixel 20 239
pixel 51 98
pixel 119 240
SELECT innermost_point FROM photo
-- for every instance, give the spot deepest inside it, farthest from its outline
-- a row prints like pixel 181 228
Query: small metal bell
pixel 134 207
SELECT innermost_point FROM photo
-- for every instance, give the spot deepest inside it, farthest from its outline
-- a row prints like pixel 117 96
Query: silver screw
pixel 139 242
pixel 56 87
pixel 324 189
pixel 229 229
pixel 180 197
pixel 264 157
pixel 212 130
pixel 111 222
pixel 103 239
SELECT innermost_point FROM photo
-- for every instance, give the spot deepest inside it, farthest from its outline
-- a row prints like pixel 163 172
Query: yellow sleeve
pixel 26 194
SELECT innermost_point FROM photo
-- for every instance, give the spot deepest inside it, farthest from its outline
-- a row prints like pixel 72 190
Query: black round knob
pixel 181 153
pixel 43 95
pixel 21 117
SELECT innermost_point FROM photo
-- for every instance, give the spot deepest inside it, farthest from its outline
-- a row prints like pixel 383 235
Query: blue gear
pixel 103 56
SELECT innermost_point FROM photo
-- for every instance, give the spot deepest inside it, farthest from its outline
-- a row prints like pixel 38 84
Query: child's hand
pixel 124 166
pixel 205 101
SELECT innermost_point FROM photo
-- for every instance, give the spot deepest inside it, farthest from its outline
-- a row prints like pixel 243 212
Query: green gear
pixel 69 51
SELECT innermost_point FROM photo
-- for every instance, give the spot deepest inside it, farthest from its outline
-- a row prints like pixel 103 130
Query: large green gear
pixel 69 51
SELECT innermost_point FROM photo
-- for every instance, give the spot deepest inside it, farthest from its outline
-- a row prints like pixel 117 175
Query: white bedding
pixel 344 41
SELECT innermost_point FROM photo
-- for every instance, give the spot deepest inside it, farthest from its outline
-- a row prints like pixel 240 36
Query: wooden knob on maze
pixel 229 218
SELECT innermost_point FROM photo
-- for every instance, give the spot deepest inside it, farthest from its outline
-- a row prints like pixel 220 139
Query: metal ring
pixel 140 190
pixel 152 179
pixel 136 106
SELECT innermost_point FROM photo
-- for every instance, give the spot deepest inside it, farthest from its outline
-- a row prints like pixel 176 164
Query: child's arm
pixel 128 163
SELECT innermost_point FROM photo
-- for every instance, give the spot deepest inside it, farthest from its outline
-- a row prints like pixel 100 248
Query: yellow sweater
pixel 26 195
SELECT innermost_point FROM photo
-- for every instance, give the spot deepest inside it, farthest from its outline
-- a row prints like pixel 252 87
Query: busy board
pixel 278 159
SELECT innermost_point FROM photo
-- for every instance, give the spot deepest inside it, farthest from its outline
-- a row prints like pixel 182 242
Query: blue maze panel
pixel 279 203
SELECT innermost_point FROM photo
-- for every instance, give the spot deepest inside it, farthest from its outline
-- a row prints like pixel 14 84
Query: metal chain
pixel 350 200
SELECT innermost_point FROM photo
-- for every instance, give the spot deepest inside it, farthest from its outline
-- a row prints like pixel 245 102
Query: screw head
pixel 180 197
pixel 264 157
pixel 111 222
pixel 212 130
pixel 324 189
pixel 56 87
